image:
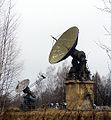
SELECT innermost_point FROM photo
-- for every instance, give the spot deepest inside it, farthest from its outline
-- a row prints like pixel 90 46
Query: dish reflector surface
pixel 22 85
pixel 64 45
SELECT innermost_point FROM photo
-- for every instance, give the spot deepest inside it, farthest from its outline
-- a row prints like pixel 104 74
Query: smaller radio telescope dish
pixel 22 85
pixel 64 46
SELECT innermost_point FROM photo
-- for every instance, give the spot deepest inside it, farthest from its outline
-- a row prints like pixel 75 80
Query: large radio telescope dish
pixel 64 45
pixel 22 85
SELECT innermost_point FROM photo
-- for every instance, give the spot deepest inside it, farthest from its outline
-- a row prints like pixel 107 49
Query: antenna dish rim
pixel 64 45
pixel 22 85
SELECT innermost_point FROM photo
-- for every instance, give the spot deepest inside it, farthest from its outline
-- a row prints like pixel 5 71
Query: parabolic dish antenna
pixel 64 45
pixel 22 85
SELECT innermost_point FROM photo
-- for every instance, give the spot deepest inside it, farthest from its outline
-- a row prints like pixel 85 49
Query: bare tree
pixel 106 8
pixel 9 66
pixel 39 89
pixel 102 90
pixel 53 85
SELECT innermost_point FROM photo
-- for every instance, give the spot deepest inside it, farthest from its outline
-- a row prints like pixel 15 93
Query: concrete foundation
pixel 79 94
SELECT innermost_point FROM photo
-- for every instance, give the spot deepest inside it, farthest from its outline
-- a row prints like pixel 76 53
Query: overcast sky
pixel 41 18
